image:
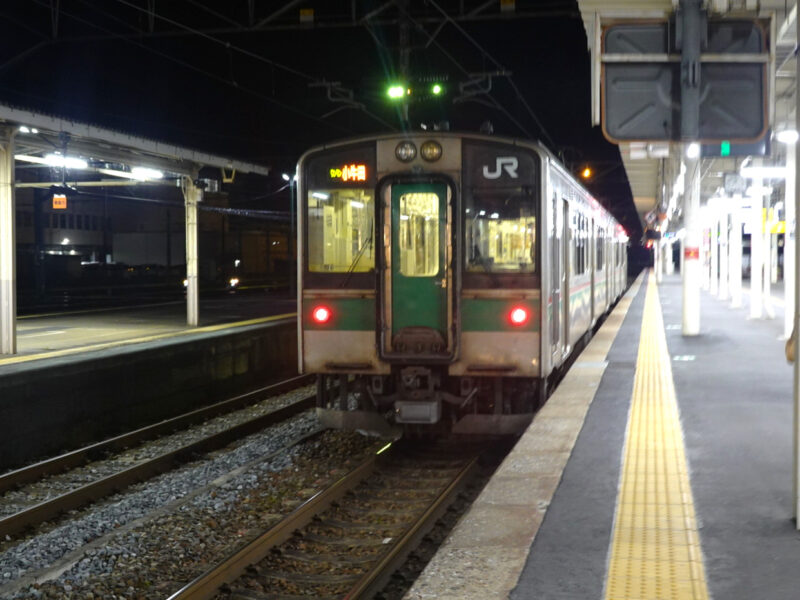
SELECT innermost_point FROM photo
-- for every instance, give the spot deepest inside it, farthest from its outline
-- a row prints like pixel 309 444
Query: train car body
pixel 442 278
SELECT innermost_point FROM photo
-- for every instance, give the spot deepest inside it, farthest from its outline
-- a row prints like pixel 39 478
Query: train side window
pixel 341 230
pixel 600 256
pixel 501 230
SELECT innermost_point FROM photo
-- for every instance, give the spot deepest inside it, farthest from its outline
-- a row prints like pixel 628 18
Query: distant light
pixel 285 176
pixel 482 213
pixel 396 91
pixel 236 262
pixel 436 89
pixel 65 241
pixel 144 173
pixel 693 150
pixel 34 130
pixel 24 129
pixel 494 216
pixel 233 282
pixel 787 136
pixel 70 162
pixel 586 173
pixel 320 195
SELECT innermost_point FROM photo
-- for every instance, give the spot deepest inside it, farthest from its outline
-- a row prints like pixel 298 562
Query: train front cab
pixel 420 297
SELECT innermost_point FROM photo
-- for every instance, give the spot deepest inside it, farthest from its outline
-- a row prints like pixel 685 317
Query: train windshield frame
pixel 338 204
pixel 500 216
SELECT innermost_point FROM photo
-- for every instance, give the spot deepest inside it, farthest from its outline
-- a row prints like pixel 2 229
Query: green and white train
pixel 443 277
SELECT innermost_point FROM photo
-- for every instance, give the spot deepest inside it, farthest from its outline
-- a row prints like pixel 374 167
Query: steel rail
pixel 75 458
pixel 207 585
pixel 98 489
pixel 375 579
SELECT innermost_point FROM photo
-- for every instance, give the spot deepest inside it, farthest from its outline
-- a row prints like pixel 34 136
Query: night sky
pixel 249 94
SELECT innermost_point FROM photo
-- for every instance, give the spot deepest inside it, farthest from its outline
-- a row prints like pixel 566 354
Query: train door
pixel 565 275
pixel 556 281
pixel 418 276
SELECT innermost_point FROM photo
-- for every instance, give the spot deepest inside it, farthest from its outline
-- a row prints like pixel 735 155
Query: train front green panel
pixel 490 314
pixel 347 314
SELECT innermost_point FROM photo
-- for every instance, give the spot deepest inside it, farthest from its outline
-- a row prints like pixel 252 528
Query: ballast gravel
pixel 148 542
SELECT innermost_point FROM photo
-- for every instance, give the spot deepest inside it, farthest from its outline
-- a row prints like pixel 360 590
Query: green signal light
pixel 396 91
pixel 436 89
pixel 725 148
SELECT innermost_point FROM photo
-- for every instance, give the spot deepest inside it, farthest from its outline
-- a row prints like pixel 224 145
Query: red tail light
pixel 321 314
pixel 519 315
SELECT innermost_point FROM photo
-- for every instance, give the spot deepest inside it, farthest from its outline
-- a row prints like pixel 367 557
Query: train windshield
pixel 341 230
pixel 501 231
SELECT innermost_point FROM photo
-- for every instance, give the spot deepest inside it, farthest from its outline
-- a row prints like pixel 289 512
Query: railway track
pixel 78 483
pixel 345 541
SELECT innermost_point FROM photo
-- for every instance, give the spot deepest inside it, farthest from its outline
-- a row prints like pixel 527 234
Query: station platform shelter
pixel 659 469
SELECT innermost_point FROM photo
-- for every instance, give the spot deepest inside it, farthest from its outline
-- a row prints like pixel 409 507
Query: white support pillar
pixel 671 257
pixel 723 252
pixel 8 249
pixel 714 253
pixel 789 242
pixel 735 253
pixel 192 196
pixel 705 281
pixel 796 365
pixel 691 273
pixel 756 254
pixel 773 253
pixel 769 311
pixel 657 253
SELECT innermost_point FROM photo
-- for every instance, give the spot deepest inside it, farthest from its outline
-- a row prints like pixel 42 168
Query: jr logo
pixel 509 163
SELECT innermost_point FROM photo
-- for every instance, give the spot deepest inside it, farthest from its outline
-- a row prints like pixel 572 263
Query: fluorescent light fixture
pixel 65 241
pixel 144 173
pixel 482 213
pixel 693 150
pixel 404 217
pixel 285 176
pixel 494 216
pixel 34 130
pixel 787 136
pixel 320 195
pixel 763 172
pixel 24 129
pixel 69 162
pixel 356 204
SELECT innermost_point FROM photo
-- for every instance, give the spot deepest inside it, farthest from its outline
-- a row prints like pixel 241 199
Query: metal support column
pixel 8 256
pixel 691 254
pixel 796 365
pixel 723 253
pixel 756 254
pixel 735 270
pixel 690 23
pixel 192 196
pixel 789 241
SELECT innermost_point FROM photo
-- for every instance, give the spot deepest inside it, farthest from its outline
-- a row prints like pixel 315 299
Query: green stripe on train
pixel 490 314
pixel 347 314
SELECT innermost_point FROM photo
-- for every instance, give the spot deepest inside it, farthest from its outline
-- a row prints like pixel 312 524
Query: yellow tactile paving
pixel 655 549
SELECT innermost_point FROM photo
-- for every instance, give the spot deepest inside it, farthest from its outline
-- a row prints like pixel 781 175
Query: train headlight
pixel 405 151
pixel 321 314
pixel 431 151
pixel 519 315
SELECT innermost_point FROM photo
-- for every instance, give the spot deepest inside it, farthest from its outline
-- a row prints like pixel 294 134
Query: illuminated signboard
pixel 353 172
pixel 59 202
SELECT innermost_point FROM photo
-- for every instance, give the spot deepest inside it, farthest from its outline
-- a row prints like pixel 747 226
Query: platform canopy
pixel 40 134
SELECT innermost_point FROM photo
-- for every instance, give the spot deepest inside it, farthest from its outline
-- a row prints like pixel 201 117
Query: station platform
pixel 659 469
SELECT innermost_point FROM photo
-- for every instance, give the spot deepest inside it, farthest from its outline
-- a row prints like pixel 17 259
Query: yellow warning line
pixel 655 548
pixel 140 340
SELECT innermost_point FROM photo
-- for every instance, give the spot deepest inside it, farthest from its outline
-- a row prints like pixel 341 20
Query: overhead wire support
pixel 337 94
